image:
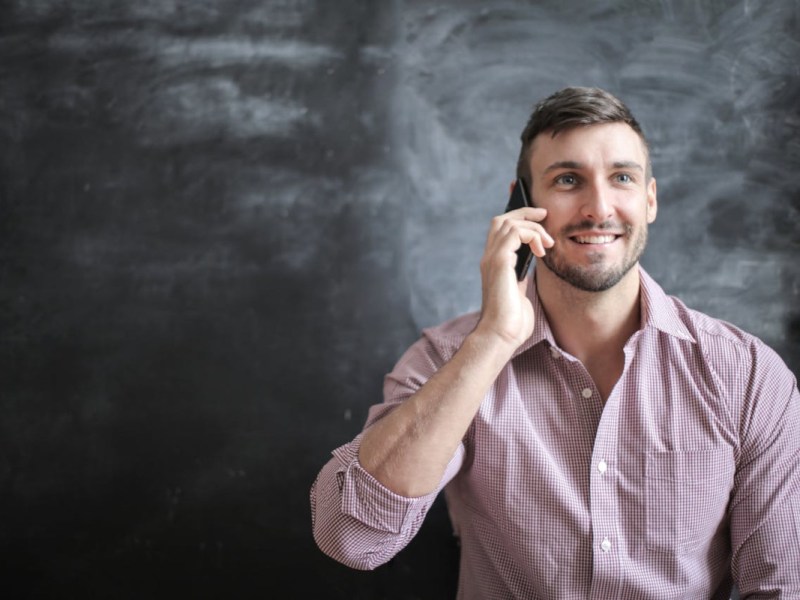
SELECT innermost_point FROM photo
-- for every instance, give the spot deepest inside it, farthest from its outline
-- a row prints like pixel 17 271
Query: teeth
pixel 594 239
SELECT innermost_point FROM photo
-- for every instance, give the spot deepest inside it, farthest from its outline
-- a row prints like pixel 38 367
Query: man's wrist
pixel 494 346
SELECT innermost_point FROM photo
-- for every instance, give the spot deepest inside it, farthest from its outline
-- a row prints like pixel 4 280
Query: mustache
pixel 594 226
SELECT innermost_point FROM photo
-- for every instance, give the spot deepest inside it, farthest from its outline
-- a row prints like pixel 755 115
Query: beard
pixel 598 275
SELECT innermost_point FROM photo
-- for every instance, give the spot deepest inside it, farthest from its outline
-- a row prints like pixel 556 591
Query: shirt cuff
pixel 370 502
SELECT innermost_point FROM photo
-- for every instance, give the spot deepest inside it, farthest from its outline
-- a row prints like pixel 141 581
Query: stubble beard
pixel 595 277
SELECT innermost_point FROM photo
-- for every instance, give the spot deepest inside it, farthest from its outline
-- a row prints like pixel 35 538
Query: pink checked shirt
pixel 686 479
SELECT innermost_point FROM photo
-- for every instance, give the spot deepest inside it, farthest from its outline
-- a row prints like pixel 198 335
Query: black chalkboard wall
pixel 222 222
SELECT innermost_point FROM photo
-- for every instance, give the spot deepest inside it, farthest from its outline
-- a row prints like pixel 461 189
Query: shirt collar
pixel 657 311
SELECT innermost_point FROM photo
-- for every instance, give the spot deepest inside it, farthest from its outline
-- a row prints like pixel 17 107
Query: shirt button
pixel 587 392
pixel 605 545
pixel 602 466
pixel 554 352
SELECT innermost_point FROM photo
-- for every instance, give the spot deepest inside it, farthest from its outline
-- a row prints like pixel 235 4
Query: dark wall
pixel 222 222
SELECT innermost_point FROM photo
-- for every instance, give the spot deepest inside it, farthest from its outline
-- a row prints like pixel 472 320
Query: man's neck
pixel 589 325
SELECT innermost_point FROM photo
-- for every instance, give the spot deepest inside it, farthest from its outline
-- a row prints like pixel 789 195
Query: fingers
pixel 529 213
pixel 535 236
pixel 517 227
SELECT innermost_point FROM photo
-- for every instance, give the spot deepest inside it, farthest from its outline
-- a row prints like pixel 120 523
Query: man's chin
pixel 588 279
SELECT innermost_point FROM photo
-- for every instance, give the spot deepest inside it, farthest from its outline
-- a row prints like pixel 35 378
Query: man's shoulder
pixel 709 328
pixel 735 357
pixel 455 329
pixel 720 340
pixel 451 334
pixel 671 315
pixel 439 343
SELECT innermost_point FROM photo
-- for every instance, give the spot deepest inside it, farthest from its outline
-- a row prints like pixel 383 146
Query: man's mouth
pixel 594 239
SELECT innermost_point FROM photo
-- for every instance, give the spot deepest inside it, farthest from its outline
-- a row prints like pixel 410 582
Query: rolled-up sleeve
pixel 359 522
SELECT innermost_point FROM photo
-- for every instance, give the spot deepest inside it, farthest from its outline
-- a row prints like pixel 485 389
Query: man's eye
pixel 566 179
pixel 624 178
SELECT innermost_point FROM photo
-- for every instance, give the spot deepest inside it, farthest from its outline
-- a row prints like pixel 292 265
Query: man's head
pixel 585 160
pixel 574 107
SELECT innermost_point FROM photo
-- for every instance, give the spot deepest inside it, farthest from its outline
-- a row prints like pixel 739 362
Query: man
pixel 594 437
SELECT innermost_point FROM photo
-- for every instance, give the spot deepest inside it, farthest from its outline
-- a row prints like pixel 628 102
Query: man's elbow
pixel 351 553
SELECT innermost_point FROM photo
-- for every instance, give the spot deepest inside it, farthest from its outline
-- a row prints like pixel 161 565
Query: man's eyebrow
pixel 563 164
pixel 627 164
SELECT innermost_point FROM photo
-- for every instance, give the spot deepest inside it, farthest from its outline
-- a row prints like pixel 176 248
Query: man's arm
pixel 408 450
pixel 765 506
pixel 370 499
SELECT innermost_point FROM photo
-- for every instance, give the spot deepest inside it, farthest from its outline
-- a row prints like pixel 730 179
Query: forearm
pixel 408 450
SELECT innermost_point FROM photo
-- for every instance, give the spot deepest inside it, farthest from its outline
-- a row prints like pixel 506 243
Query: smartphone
pixel 519 199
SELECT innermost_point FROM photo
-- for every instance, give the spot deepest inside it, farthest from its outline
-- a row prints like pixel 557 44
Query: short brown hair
pixel 574 107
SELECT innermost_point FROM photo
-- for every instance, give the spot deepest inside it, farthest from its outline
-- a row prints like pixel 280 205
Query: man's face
pixel 592 181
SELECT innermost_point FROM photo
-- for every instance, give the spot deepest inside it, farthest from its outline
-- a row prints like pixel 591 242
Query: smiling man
pixel 594 437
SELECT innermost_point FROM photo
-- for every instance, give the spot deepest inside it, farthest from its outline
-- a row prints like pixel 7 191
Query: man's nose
pixel 597 204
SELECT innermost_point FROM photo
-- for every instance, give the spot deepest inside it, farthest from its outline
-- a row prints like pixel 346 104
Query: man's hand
pixel 506 311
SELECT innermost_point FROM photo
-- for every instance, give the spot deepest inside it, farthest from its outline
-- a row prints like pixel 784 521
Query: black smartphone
pixel 518 199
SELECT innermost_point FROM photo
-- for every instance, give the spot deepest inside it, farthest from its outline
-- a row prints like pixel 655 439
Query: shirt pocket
pixel 687 497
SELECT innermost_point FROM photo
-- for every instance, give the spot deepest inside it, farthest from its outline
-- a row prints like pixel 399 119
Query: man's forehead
pixel 619 140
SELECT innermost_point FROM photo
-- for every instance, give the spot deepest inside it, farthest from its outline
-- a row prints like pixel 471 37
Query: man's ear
pixel 652 200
